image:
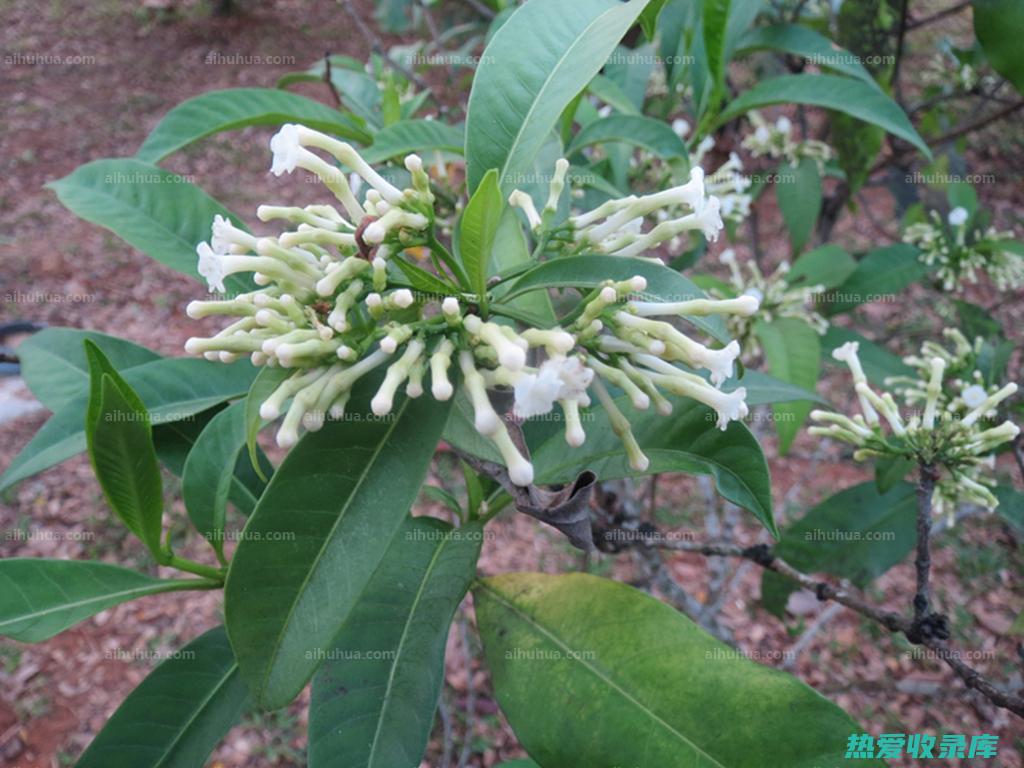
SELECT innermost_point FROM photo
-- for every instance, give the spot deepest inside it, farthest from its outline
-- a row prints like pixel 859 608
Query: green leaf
pixel 763 389
pixel 686 441
pixel 803 41
pixel 649 18
pixel 793 352
pixel 119 439
pixel 407 136
pixel 997 24
pixel 828 265
pixel 799 200
pixel 879 363
pixel 176 716
pixel 645 132
pixel 41 598
pixel 891 470
pixel 1011 506
pixel 880 275
pixel 374 698
pixel 478 226
pixel 663 284
pixel 55 368
pixel 715 20
pixel 236 108
pixel 854 97
pixel 857 534
pixel 172 389
pixel 510 251
pixel 336 500
pixel 174 440
pixel 544 55
pixel 628 681
pixel 210 470
pixel 611 94
pixel 151 209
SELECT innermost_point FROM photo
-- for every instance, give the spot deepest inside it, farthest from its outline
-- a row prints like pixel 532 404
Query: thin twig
pixel 805 640
pixel 939 15
pixel 894 622
pixel 378 47
pixel 923 560
pixel 335 96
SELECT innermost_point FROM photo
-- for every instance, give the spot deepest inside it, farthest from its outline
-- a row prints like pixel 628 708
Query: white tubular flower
pixel 884 404
pixel 510 354
pixel 974 395
pixel 680 128
pixel 520 471
pixel 211 268
pixel 289 154
pixel 227 236
pixel 440 361
pixel 486 419
pixel 347 155
pixel 519 199
pixel 847 353
pixel 557 185
pixel 556 341
pixel 557 379
pixel 744 306
pixel 397 373
pixel 620 426
pixel 574 434
pixel 988 404
pixel 938 367
pixel 286 148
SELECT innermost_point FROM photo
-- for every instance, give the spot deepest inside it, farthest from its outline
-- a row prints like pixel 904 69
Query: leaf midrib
pixel 401 644
pixel 577 656
pixel 279 639
pixel 543 88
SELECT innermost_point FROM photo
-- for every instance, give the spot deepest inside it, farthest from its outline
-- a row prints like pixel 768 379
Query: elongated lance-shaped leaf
pixel 856 534
pixel 793 352
pixel 176 716
pixel 407 136
pixel 844 94
pixel 375 695
pixel 210 470
pixel 646 132
pixel 236 108
pixel 478 226
pixel 803 41
pixel 119 439
pixel 159 212
pixel 55 368
pixel 172 389
pixel 626 680
pixel 41 598
pixel 318 534
pixel 545 54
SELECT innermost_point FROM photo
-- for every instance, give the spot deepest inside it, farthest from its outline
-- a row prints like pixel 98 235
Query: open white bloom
pixel 957 217
pixel 210 267
pixel 557 379
pixel 777 142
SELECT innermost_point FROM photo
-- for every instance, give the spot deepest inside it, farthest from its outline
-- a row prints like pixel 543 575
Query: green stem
pixel 191 566
pixel 460 274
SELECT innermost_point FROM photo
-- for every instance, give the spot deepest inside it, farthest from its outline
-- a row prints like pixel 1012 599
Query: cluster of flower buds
pixel 960 252
pixel 331 308
pixel 775 296
pixel 617 227
pixel 775 140
pixel 946 423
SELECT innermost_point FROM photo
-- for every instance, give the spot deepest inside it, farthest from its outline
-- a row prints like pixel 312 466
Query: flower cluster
pixel 948 414
pixel 332 306
pixel 775 140
pixel 617 227
pixel 960 252
pixel 775 297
